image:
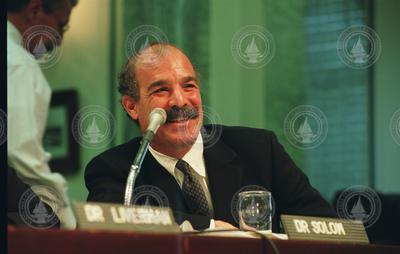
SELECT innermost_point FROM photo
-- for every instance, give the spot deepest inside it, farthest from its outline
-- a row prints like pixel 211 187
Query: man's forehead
pixel 161 55
pixel 147 77
pixel 173 62
pixel 156 48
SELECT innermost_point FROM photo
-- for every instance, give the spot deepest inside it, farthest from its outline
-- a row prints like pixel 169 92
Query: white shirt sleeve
pixel 28 97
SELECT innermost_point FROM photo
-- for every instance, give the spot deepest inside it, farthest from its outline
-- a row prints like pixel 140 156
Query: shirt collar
pixel 194 157
pixel 13 33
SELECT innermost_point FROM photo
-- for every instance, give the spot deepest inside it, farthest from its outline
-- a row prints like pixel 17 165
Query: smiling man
pixel 168 82
pixel 198 172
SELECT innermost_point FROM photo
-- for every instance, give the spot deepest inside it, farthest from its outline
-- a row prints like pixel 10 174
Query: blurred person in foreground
pixel 28 93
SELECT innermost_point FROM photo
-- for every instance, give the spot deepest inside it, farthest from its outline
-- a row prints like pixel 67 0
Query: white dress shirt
pixel 28 99
pixel 194 157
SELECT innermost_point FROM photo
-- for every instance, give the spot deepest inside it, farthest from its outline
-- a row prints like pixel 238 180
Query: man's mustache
pixel 181 114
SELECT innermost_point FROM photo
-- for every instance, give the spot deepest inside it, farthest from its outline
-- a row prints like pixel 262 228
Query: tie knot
pixel 184 167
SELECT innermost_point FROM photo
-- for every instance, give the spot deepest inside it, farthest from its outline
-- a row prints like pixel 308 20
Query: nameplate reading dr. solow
pixel 326 229
pixel 119 217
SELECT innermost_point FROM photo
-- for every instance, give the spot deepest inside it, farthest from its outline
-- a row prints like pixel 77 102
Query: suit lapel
pixel 224 173
pixel 154 174
pixel 224 176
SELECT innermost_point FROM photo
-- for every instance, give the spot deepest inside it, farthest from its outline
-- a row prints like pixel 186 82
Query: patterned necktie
pixel 193 193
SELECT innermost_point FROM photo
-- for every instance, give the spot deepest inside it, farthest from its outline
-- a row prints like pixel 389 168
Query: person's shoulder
pixel 240 136
pixel 117 153
pixel 112 163
pixel 248 143
pixel 19 56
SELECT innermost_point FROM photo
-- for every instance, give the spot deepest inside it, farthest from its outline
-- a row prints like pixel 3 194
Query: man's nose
pixel 177 98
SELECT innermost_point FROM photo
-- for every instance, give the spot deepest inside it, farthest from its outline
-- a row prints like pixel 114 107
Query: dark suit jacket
pixel 241 157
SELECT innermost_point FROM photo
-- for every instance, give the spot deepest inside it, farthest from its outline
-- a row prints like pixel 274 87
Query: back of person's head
pixel 15 6
pixel 34 18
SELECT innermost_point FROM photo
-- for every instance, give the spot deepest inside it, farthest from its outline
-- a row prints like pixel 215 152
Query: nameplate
pixel 94 215
pixel 326 229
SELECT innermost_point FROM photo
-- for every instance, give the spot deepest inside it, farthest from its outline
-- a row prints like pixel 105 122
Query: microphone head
pixel 158 113
pixel 157 117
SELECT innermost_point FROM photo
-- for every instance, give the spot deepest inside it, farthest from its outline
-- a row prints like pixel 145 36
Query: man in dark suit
pixel 198 168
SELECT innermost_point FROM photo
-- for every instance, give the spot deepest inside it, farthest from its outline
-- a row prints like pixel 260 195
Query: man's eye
pixel 160 90
pixel 189 85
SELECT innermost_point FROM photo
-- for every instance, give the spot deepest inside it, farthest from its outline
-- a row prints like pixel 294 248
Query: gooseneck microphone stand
pixel 157 117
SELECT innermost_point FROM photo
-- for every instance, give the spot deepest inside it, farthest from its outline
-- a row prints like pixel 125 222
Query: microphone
pixel 157 117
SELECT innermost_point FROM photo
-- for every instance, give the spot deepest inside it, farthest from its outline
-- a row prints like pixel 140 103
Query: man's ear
pixel 130 106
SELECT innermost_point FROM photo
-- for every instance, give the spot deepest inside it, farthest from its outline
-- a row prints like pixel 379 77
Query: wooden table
pixel 26 240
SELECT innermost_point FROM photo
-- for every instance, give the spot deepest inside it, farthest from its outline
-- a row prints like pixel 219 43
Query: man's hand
pixel 223 225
